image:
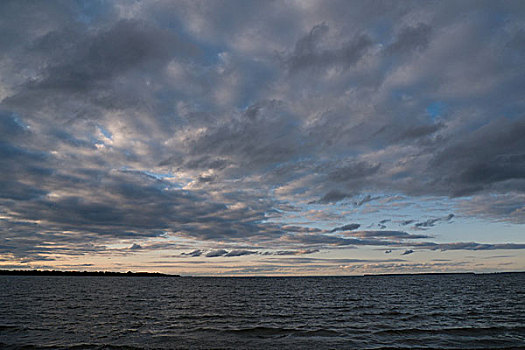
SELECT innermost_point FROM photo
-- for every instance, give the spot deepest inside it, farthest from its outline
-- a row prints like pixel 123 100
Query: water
pixel 439 311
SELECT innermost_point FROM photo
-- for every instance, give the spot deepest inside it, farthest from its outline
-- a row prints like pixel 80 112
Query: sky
pixel 263 137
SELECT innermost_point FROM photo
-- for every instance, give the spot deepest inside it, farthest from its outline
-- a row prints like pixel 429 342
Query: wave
pixel 467 331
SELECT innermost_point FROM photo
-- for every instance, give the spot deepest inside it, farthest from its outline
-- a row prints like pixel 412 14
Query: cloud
pixel 386 234
pixel 507 207
pixel 308 53
pixel 411 38
pixel 333 196
pixel 216 253
pixel 349 227
pixel 168 122
pixel 432 222
pixel 292 252
pixel 291 228
pixel 489 158
pixel 240 252
pixel 366 199
pixel 470 246
pixel 196 252
pixel 354 170
pixel 407 252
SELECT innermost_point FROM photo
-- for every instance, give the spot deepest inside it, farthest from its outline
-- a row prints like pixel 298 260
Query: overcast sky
pixel 263 137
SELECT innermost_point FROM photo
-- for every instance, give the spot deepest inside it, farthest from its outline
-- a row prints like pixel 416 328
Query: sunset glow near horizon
pixel 263 137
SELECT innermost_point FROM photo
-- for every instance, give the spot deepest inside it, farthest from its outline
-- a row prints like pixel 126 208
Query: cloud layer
pixel 206 125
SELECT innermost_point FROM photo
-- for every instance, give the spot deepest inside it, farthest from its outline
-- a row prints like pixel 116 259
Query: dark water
pixel 450 311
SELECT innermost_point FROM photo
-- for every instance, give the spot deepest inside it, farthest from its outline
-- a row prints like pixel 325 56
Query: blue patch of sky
pixel 18 121
pixel 436 109
pixel 158 176
pixel 90 10
pixel 105 132
pixel 382 30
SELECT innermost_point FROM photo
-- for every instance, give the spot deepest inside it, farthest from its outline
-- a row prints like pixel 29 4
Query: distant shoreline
pixel 158 274
pixel 82 273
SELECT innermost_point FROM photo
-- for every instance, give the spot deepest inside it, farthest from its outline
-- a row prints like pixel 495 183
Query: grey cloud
pixel 407 252
pixel 135 246
pixel 508 207
pixel 470 246
pixel 196 252
pixel 243 107
pixel 488 158
pixel 321 240
pixel 352 171
pixel 293 252
pixel 302 229
pixel 263 135
pixel 333 196
pixel 349 227
pixel 364 200
pixel 126 45
pixel 240 252
pixel 124 206
pixel 432 222
pixel 386 234
pixel 420 131
pixel 309 52
pixel 216 253
pixel 411 38
pixel 329 260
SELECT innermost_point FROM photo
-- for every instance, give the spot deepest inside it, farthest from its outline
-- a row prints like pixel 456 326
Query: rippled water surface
pixel 371 312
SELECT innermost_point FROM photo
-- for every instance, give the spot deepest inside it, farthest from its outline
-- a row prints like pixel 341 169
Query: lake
pixel 462 311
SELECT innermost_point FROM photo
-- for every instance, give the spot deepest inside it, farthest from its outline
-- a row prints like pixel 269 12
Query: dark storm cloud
pixel 407 252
